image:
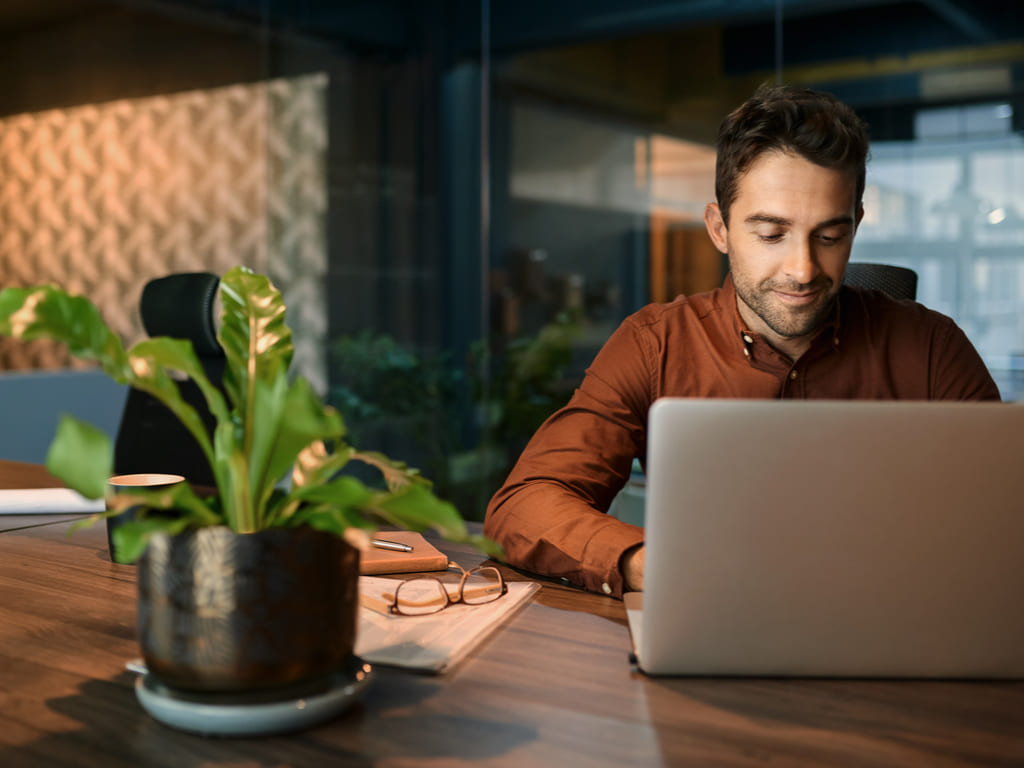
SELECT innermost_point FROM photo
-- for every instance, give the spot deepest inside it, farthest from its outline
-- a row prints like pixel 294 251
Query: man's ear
pixel 717 231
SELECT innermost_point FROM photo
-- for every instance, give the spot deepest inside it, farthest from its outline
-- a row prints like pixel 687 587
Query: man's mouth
pixel 798 298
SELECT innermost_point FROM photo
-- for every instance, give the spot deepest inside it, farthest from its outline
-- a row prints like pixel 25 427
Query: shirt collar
pixel 750 340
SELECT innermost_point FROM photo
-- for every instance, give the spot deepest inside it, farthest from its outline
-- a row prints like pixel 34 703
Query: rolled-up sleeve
pixel 550 515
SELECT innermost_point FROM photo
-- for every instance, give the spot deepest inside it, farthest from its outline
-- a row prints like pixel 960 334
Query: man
pixel 789 183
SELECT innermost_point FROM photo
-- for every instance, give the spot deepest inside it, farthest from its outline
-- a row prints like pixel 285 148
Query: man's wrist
pixel 632 567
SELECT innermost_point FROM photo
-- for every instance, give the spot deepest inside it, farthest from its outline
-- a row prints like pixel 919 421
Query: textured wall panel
pixel 101 198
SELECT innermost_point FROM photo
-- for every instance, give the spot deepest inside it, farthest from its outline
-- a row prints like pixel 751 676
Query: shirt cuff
pixel 602 570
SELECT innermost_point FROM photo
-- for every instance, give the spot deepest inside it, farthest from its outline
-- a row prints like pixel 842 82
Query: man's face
pixel 789 236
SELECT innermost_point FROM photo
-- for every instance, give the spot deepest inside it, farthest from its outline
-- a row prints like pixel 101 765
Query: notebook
pixel 46 501
pixel 826 538
pixel 424 556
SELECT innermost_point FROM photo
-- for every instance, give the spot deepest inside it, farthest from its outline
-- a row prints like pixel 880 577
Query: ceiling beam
pixel 956 13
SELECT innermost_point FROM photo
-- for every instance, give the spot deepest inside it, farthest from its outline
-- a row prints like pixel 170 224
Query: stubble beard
pixel 788 322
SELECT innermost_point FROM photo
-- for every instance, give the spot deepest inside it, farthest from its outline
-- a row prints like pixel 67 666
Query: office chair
pixel 898 282
pixel 150 438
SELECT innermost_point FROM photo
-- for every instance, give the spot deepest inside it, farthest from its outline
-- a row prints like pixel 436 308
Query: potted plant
pixel 253 586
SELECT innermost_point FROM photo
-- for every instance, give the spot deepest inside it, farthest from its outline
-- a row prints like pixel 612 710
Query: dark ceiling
pixel 816 28
pixel 817 24
pixel 815 32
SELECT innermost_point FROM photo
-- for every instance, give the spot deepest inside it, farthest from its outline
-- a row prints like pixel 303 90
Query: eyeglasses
pixel 426 594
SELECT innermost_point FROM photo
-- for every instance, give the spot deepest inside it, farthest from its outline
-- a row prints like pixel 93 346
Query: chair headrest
pixel 181 306
pixel 898 282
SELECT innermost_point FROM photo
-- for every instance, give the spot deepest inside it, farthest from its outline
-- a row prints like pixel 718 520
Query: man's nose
pixel 801 265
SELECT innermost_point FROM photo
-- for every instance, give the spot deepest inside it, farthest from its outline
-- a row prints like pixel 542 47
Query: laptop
pixel 833 539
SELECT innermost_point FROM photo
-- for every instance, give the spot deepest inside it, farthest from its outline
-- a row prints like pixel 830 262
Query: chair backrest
pixel 150 438
pixel 898 282
pixel 181 306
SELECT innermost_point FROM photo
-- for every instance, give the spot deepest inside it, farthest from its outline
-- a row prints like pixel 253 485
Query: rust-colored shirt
pixel 550 514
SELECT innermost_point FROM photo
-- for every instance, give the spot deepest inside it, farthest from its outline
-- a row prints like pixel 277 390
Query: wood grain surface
pixel 552 688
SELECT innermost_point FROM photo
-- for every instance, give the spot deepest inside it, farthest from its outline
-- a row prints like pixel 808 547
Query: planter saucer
pixel 218 715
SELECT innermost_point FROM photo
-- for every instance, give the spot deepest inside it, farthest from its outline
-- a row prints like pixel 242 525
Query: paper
pixel 47 501
pixel 430 643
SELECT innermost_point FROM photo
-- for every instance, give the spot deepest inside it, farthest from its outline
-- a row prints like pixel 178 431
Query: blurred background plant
pixel 389 394
pixel 527 381
pixel 463 426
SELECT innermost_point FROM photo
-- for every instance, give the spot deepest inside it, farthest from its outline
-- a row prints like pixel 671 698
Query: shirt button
pixel 606 588
pixel 793 375
pixel 747 339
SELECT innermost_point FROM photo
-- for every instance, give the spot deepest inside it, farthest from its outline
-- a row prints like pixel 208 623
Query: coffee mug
pixel 149 481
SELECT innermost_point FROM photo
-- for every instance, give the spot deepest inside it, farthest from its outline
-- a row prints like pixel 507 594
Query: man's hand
pixel 633 568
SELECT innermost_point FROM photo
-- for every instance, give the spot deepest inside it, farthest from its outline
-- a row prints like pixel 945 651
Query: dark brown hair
pixel 812 124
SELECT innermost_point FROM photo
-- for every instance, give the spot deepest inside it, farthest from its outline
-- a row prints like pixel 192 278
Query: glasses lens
pixel 482 586
pixel 418 596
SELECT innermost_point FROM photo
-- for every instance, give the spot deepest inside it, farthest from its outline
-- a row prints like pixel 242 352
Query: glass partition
pixel 610 146
pixel 461 200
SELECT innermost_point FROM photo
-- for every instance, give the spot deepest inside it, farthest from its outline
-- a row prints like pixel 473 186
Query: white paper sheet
pixel 46 501
pixel 430 643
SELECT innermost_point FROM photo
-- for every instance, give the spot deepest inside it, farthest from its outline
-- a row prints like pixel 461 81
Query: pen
pixel 397 546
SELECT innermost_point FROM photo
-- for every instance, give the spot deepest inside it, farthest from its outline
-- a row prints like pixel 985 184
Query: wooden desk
pixel 17 474
pixel 552 688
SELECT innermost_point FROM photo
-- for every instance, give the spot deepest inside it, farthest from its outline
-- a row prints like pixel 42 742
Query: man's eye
pixel 772 238
pixel 831 239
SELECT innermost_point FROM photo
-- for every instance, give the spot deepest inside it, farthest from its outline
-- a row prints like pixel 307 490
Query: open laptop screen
pixel 850 538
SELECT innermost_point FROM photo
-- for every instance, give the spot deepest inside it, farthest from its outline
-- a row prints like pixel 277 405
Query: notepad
pixel 46 501
pixel 433 643
pixel 424 556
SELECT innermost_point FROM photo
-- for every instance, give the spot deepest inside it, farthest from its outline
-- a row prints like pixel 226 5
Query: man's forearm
pixel 546 530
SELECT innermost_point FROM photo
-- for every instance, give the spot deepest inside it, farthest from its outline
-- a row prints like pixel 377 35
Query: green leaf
pixel 258 346
pixel 180 498
pixel 315 465
pixel 82 456
pixel 306 421
pixel 179 355
pixel 397 474
pixel 47 312
pixel 233 482
pixel 132 537
pixel 176 508
pixel 487 546
pixel 268 401
pixel 149 376
pixel 417 509
pixel 332 519
pixel 344 492
pixel 253 333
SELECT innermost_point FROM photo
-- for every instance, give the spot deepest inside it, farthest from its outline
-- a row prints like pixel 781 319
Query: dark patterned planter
pixel 227 612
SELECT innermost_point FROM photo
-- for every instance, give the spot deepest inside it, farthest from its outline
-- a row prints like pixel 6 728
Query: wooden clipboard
pixel 424 556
